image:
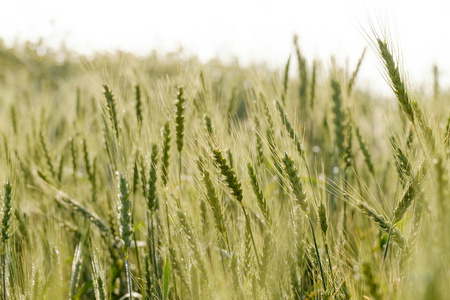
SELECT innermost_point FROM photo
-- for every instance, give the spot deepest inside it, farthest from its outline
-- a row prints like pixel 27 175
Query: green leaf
pixel 166 279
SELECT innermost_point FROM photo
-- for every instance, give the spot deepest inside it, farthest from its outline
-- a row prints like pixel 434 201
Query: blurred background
pixel 253 31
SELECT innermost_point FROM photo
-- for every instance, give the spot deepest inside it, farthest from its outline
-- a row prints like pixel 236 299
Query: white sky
pixel 253 30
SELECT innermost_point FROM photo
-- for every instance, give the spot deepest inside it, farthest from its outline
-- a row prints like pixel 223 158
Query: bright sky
pixel 253 30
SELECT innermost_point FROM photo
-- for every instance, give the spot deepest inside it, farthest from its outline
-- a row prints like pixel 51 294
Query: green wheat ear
pixel 151 195
pixel 135 173
pixel 382 222
pixel 407 198
pixel 208 124
pixel 137 93
pixel 401 162
pixel 303 74
pixel 296 183
pixel 322 213
pixel 262 203
pixel 259 144
pixel 111 106
pixel 7 198
pixel 300 196
pixel 90 170
pixel 179 121
pixel 313 84
pixel 179 128
pixel 338 119
pixel 214 202
pixel 436 91
pixel 352 80
pixel 13 118
pixel 48 159
pixel 396 82
pixel 126 228
pixel 289 128
pixel 165 132
pixel 365 151
pixel 285 81
pixel 230 176
pixel 74 155
pixel 236 190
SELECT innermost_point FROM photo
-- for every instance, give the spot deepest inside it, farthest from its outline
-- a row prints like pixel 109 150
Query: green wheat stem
pixel 247 220
pixel 128 273
pixel 138 260
pixel 387 244
pixel 322 214
pixel 155 269
pixel 317 253
pixel 329 260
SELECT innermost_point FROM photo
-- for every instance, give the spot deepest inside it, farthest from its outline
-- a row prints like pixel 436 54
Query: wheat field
pixel 161 177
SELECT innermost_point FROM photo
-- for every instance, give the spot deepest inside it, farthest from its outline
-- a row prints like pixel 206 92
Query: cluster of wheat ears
pixel 183 180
